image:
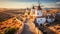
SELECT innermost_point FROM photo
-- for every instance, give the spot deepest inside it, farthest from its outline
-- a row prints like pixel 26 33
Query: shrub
pixel 10 31
pixel 28 13
pixel 0 22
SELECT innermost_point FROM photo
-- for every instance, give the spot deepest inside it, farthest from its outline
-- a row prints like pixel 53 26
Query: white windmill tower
pixel 39 14
pixel 32 11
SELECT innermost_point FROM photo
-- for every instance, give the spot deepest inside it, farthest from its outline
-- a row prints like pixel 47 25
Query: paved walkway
pixel 29 28
pixel 26 30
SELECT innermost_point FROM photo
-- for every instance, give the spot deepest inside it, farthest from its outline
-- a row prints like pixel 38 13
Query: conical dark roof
pixel 27 8
pixel 33 7
pixel 38 7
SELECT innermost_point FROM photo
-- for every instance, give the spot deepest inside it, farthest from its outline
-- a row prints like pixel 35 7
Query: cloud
pixel 52 5
pixel 23 4
pixel 57 2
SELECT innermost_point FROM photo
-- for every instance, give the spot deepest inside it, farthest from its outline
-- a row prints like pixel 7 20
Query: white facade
pixel 48 14
pixel 41 20
pixel 50 20
pixel 32 12
pixel 38 13
pixel 26 13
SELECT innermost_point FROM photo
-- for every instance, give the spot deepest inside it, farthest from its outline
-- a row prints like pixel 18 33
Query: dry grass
pixel 10 23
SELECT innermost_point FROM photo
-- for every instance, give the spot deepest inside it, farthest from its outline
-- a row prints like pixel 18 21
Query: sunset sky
pixel 28 3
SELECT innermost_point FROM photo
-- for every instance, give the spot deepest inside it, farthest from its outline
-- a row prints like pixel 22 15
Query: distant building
pixel 26 13
pixel 57 16
pixel 50 18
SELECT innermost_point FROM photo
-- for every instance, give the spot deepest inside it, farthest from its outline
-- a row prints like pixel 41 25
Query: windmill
pixel 38 3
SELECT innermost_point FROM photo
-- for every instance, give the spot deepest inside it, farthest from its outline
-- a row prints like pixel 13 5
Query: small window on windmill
pixel 38 20
pixel 38 13
pixel 41 19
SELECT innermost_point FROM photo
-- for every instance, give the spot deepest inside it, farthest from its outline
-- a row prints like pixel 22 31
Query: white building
pixel 37 12
pixel 32 13
pixel 50 18
pixel 26 13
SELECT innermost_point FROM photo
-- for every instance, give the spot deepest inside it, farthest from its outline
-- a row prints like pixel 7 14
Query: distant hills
pixel 51 8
